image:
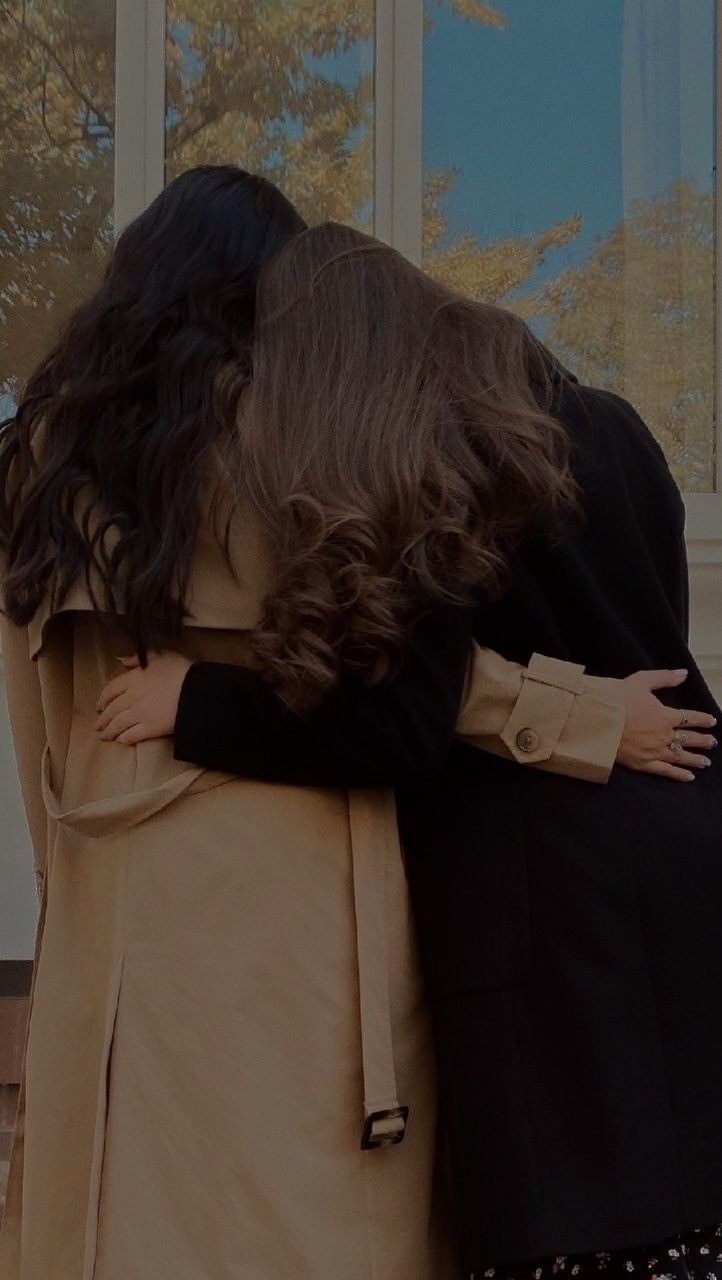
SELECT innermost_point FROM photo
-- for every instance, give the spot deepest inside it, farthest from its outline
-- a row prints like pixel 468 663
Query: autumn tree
pixel 285 87
pixel 638 317
pixel 280 87
pixel 56 125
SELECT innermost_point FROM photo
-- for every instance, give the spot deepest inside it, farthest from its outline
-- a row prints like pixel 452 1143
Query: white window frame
pixel 140 161
pixel 139 106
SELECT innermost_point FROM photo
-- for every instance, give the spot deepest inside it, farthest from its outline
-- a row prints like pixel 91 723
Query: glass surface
pixel 283 88
pixel 56 170
pixel 568 154
pixel 56 178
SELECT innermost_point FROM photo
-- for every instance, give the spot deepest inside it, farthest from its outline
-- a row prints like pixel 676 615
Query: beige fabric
pixel 226 981
pixel 225 984
pixel 549 714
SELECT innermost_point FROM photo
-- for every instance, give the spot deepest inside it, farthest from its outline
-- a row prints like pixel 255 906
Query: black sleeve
pixel 230 719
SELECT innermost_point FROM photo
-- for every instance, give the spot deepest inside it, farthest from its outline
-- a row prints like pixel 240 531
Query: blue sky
pixel 533 115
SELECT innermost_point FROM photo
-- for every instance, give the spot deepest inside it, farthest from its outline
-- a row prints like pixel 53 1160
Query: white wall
pixel 18 901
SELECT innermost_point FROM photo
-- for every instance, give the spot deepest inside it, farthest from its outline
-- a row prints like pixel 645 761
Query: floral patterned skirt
pixel 696 1255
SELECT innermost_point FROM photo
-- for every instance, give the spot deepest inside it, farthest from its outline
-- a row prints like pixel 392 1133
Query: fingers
pixel 690 739
pixel 686 759
pixel 689 757
pixel 663 770
pixel 124 720
pixel 113 689
pixel 130 737
pixel 118 704
pixel 132 661
pixel 661 679
pixel 691 720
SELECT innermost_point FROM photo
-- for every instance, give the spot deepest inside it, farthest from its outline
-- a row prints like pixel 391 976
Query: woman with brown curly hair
pixel 227 1023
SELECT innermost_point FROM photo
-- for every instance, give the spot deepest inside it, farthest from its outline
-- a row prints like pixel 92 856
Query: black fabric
pixel 696 1255
pixel 230 719
pixel 569 932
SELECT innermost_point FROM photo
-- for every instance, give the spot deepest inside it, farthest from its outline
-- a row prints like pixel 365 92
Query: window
pixel 56 170
pixel 559 158
pixel 283 88
pixel 568 170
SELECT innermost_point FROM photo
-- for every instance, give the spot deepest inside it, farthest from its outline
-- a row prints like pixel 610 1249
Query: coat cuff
pixel 561 720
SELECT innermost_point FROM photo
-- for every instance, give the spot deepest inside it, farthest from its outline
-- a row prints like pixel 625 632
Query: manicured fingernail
pixel 715 743
pixel 681 671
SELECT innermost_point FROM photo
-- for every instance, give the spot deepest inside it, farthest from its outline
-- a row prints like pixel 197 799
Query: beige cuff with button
pixel 549 714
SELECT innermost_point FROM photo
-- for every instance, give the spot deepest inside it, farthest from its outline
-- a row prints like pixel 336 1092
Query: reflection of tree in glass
pixel 284 87
pixel 638 317
pixel 56 128
pixel 485 271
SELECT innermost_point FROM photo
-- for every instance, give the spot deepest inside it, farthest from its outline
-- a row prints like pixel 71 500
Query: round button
pixel 527 740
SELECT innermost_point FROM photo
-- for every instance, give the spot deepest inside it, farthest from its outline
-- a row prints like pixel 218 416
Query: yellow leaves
pixel 485 272
pixel 469 11
pixel 475 11
pixel 558 234
pixel 638 316
pixel 285 87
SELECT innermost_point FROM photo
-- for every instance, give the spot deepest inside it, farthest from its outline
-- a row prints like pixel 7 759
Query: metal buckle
pixel 384 1128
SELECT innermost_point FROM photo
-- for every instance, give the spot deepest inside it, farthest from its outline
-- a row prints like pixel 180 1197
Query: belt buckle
pixel 384 1128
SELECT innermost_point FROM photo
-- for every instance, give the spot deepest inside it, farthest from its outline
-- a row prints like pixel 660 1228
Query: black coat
pixel 571 934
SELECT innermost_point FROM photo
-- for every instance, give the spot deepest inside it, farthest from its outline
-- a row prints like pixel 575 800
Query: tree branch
pixel 48 49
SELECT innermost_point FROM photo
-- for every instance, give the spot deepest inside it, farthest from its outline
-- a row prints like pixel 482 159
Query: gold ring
pixel 684 721
pixel 677 744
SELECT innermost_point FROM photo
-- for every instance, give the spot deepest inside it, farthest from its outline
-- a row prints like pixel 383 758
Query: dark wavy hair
pixel 126 407
pixel 397 440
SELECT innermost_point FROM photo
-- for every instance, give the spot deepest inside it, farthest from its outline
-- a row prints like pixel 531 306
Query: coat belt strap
pixel 106 816
pixel 374 840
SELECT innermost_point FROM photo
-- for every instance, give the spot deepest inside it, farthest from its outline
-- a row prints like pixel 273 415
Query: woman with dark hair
pixel 226 1005
pixel 400 446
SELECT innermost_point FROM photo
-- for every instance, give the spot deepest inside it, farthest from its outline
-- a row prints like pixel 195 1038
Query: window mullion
pixel 384 121
pixel 155 99
pixel 408 32
pixel 139 106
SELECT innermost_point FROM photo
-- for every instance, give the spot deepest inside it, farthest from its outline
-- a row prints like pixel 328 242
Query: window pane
pixel 568 167
pixel 283 88
pixel 56 170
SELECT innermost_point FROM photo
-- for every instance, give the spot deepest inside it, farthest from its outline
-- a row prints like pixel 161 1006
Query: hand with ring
pixel 659 739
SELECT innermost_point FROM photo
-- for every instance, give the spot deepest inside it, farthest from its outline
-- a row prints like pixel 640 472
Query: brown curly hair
pixel 396 440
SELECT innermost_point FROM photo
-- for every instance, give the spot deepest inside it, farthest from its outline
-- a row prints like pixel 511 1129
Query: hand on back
pixel 142 703
pixel 659 739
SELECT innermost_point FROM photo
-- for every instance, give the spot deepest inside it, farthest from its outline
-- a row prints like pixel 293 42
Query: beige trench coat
pixel 226 982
